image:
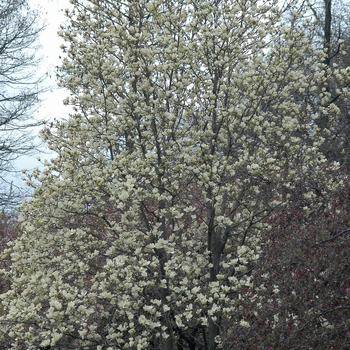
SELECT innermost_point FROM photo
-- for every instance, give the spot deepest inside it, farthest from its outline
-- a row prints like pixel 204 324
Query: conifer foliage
pixel 191 118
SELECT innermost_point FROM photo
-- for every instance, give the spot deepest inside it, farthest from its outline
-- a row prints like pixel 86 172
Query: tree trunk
pixel 327 30
pixel 213 331
pixel 169 344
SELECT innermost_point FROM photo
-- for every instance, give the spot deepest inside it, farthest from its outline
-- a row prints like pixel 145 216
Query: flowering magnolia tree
pixel 191 118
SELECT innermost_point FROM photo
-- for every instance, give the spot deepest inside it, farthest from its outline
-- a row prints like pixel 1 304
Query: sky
pixel 52 107
pixel 52 14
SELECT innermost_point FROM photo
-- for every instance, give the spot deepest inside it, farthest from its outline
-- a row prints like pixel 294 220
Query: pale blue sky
pixel 52 106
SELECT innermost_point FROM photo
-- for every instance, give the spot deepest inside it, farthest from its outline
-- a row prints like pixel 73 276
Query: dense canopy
pixel 193 121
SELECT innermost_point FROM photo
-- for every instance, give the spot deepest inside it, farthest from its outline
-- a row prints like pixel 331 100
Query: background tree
pixel 20 87
pixel 303 272
pixel 193 119
pixel 333 35
pixel 9 230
